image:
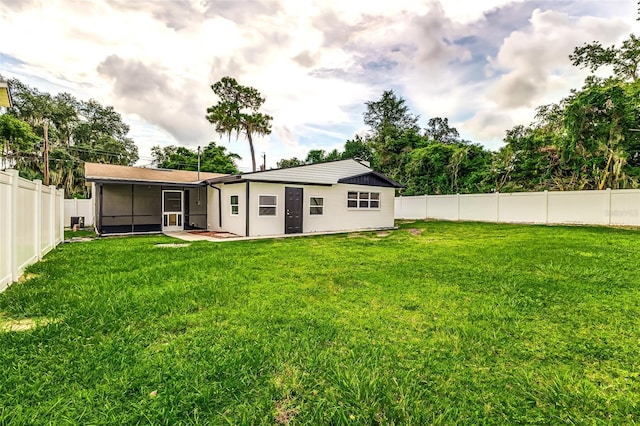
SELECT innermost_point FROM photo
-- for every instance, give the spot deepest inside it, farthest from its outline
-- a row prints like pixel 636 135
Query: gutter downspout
pixel 247 212
pixel 100 210
pixel 132 209
pixel 219 204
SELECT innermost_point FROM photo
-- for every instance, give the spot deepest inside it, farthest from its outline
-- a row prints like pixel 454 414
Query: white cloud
pixel 536 56
pixel 534 69
pixel 467 11
pixel 480 63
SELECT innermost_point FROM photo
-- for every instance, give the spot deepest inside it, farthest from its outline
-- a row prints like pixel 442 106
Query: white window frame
pixel 275 206
pixel 321 206
pixel 231 204
pixel 368 199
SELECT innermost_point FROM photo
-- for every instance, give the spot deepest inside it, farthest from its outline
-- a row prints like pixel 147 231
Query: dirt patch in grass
pixel 214 234
pixel 25 324
pixel 172 245
pixel 78 239
pixel 285 411
pixel 26 277
pixel 415 231
pixel 369 235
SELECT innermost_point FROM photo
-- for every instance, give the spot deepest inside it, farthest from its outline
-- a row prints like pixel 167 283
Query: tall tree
pixel 600 123
pixel 101 135
pixel 316 156
pixel 17 138
pixel 394 132
pixel 65 117
pixel 237 112
pixel 447 168
pixel 588 140
pixel 389 114
pixel 438 130
pixel 213 158
pixel 38 109
pixel 359 148
pixel 625 59
pixel 70 132
pixel 289 162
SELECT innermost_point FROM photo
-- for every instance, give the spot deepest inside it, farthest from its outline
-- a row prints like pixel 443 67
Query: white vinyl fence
pixel 30 223
pixel 78 208
pixel 608 207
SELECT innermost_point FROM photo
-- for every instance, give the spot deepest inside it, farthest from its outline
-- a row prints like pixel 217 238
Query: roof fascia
pixel 146 182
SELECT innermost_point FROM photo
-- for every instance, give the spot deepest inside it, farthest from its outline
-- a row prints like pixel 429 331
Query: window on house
pixel 363 200
pixel 235 205
pixel 316 206
pixel 267 205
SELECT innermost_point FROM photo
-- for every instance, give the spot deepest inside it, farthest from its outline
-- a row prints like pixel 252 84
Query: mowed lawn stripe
pixel 435 322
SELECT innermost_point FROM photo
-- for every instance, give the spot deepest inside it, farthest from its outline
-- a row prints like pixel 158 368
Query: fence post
pixel 458 199
pixel 426 206
pixel 497 207
pixel 61 223
pixel 13 238
pixel 546 207
pixel 38 219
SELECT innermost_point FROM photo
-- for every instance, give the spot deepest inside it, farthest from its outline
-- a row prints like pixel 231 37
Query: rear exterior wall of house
pixel 325 208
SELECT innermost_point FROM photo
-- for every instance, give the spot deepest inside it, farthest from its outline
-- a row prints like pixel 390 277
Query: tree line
pixel 588 140
pixel 51 137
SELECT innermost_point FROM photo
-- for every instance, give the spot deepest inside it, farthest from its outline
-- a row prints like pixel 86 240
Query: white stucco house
pixel 343 195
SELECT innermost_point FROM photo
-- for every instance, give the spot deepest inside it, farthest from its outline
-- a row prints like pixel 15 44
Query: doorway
pixel 172 210
pixel 293 210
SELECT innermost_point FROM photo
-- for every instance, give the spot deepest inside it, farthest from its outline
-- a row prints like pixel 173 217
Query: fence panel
pixel 26 250
pixel 444 207
pixel 30 224
pixel 78 207
pixel 582 207
pixel 479 207
pixel 45 219
pixel 6 197
pixel 608 207
pixel 523 207
pixel 411 207
pixel 625 207
pixel 59 227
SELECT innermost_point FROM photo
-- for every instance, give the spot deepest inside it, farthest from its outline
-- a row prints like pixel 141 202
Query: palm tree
pixel 237 112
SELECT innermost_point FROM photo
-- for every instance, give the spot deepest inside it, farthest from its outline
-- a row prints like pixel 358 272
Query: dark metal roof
pixel 371 178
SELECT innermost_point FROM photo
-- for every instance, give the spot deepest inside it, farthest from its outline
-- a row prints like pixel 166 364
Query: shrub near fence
pixel 31 223
pixel 608 207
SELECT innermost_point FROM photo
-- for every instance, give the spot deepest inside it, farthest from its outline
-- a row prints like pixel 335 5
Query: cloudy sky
pixel 484 64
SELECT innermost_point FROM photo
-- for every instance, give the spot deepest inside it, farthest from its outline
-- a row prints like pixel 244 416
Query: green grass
pixel 464 324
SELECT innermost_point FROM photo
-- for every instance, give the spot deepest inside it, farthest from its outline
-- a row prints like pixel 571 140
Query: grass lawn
pixel 434 323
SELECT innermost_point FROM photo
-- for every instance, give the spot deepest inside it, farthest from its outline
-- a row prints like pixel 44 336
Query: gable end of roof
pixel 371 178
